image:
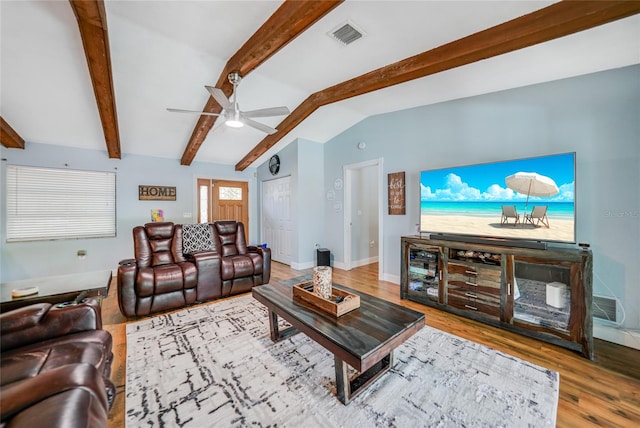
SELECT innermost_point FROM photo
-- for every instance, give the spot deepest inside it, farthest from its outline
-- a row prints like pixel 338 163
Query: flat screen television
pixel 530 199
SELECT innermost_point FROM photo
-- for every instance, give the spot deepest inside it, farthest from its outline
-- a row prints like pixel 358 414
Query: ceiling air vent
pixel 346 33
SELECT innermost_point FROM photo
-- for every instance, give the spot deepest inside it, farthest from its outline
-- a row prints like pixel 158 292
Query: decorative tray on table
pixel 303 292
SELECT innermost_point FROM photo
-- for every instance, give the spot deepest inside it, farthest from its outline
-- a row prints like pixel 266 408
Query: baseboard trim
pixel 339 265
pixel 391 278
pixel 622 337
pixel 302 266
pixel 364 262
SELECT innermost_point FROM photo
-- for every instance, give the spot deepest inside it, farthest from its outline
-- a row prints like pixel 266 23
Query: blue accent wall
pixel 597 116
pixel 22 260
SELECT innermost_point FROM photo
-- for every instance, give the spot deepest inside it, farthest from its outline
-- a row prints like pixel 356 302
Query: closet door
pixel 277 219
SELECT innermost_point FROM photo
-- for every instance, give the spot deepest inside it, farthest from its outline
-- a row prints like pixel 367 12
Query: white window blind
pixel 46 203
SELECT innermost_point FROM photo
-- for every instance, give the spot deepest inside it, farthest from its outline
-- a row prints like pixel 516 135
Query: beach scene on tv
pixel 531 199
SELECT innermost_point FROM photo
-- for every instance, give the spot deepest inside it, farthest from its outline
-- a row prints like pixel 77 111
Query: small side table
pixel 55 289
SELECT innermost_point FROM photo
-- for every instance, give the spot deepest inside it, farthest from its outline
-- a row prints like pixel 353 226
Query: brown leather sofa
pixel 165 274
pixel 55 366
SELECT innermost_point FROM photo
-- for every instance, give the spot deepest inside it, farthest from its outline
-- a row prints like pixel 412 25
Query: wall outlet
pixel 186 215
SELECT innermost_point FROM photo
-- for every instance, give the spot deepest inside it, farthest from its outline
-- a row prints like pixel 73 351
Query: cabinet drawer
pixel 488 298
pixel 461 276
pixel 460 269
pixel 465 276
pixel 474 305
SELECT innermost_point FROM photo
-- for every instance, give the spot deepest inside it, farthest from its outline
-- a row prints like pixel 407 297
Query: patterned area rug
pixel 215 365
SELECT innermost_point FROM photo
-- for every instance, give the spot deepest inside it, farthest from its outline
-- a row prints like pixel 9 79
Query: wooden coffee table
pixel 55 289
pixel 363 338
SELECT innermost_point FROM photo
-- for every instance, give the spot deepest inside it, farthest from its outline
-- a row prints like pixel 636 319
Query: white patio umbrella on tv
pixel 532 184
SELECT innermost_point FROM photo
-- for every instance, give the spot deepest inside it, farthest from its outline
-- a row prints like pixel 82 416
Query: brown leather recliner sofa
pixel 55 366
pixel 178 265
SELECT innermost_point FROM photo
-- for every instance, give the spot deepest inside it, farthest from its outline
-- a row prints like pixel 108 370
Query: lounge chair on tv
pixel 538 215
pixel 509 211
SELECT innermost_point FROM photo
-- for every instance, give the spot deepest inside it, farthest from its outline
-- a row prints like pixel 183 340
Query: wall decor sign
pixel 396 186
pixel 156 193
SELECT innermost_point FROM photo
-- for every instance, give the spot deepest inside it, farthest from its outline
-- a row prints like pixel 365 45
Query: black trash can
pixel 323 257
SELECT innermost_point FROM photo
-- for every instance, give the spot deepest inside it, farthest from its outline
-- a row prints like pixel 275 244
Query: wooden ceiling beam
pixel 92 22
pixel 289 21
pixel 8 137
pixel 557 20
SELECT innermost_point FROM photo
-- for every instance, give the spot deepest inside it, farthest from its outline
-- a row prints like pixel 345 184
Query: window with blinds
pixel 47 203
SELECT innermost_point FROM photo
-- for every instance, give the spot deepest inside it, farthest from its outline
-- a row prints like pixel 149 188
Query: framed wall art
pixel 397 203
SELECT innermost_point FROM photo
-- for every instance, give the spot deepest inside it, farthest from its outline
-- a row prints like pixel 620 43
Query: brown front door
pixel 223 200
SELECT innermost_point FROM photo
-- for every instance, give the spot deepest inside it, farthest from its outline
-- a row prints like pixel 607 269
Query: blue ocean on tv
pixel 559 210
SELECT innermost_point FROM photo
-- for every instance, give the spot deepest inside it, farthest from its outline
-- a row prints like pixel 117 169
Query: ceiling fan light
pixel 234 123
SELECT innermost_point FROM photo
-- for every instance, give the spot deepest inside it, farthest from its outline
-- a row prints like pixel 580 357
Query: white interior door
pixel 277 222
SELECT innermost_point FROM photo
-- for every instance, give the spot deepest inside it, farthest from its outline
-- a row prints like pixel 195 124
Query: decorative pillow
pixel 196 237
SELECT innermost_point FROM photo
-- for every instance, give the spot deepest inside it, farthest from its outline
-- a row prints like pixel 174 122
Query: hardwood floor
pixel 604 392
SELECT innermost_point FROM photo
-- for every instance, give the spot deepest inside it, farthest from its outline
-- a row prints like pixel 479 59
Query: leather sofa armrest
pixel 18 396
pixel 22 318
pixel 266 261
pixel 256 249
pixel 127 262
pixel 42 321
pixel 127 272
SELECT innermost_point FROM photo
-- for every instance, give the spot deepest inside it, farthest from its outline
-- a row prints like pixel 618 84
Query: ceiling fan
pixel 231 114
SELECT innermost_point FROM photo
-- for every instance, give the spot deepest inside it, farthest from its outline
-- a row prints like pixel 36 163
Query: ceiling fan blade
pixel 204 113
pixel 219 96
pixel 259 126
pixel 266 112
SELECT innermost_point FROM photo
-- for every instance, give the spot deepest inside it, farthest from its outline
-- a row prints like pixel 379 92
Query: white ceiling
pixel 163 53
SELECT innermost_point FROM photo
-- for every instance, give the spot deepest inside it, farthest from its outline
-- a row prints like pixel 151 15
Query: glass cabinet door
pixel 542 295
pixel 423 274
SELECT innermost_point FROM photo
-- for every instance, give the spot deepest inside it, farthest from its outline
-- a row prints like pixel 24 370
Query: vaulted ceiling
pixel 97 75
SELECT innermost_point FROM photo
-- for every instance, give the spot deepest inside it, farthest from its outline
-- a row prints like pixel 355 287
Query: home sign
pixel 156 193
